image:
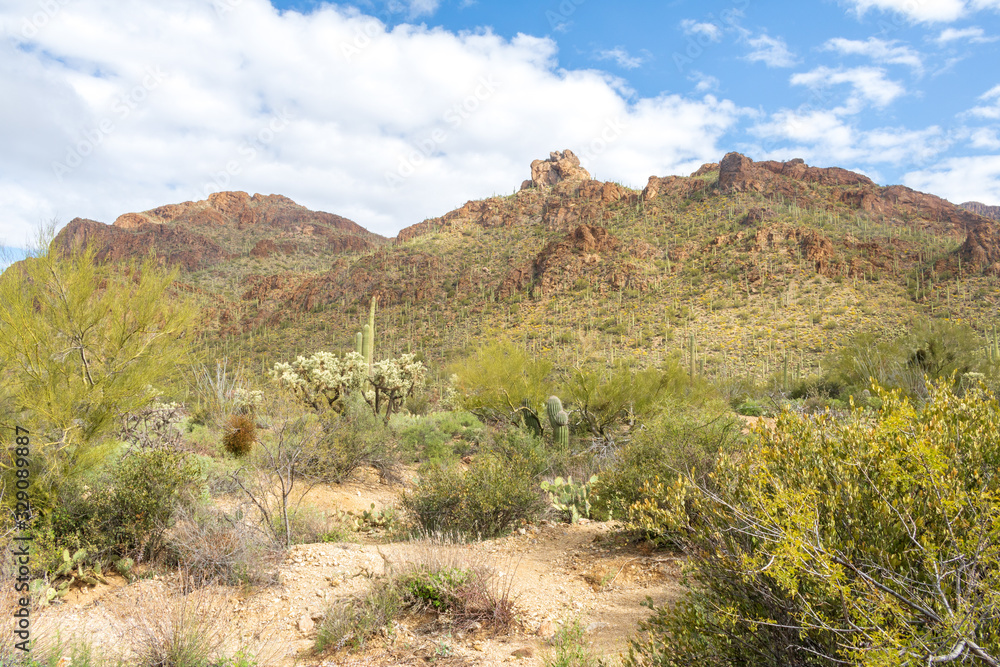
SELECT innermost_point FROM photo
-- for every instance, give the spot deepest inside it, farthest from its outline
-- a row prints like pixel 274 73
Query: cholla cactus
pixel 392 381
pixel 324 378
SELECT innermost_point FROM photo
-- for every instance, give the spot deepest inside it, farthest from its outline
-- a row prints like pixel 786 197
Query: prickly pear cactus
pixel 559 420
pixel 570 498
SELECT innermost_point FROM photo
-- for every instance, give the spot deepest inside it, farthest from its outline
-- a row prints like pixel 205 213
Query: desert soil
pixel 558 573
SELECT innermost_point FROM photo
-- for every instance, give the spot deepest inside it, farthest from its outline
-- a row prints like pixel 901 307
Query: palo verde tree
pixel 83 343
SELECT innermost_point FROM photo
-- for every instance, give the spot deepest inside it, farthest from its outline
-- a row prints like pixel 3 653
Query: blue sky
pixel 391 112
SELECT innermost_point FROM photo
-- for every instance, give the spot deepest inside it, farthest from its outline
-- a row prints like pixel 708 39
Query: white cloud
pixel 622 57
pixel 414 8
pixel 991 112
pixel 703 82
pixel 985 137
pixel 926 11
pixel 772 51
pixel 973 35
pixel 332 109
pixel 880 51
pixel 868 84
pixel 710 31
pixel 824 137
pixel 961 179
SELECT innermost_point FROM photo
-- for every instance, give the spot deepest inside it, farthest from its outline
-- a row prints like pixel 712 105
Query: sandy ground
pixel 557 573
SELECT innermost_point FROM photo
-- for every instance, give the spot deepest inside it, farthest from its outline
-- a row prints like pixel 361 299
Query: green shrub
pixel 679 442
pixel 854 540
pixel 126 511
pixel 488 499
pixel 354 439
pixel 569 648
pixel 441 436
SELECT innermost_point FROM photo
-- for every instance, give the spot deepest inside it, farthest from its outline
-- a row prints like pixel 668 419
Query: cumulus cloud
pixel 703 82
pixel 123 107
pixel 879 50
pixel 825 137
pixel 961 179
pixel 973 35
pixel 869 85
pixel 926 11
pixel 772 51
pixel 710 31
pixel 988 111
pixel 984 137
pixel 621 57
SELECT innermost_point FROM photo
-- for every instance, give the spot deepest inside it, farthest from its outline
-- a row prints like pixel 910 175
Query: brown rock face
pixel 174 245
pixel 982 247
pixel 560 166
pixel 589 252
pixel 738 173
pixel 991 212
pixel 197 234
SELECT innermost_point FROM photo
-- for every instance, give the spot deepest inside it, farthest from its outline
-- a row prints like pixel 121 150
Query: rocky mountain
pixel 992 212
pixel 226 226
pixel 748 261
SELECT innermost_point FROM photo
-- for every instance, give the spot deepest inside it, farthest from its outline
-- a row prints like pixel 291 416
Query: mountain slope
pixel 754 263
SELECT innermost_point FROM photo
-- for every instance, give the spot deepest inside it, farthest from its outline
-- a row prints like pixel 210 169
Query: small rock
pixel 317 616
pixel 524 652
pixel 597 625
pixel 546 629
pixel 306 625
pixel 478 646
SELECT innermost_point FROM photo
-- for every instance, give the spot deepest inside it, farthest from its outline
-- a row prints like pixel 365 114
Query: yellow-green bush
pixel 873 540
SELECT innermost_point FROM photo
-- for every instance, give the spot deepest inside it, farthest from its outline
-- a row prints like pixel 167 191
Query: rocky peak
pixel 560 166
pixel 992 212
pixel 738 173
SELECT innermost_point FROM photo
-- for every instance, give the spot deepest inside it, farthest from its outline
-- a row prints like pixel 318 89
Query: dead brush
pixel 470 591
pixel 168 629
pixel 216 547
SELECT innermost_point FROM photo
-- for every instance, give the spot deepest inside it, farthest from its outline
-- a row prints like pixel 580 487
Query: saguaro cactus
pixel 559 420
pixel 529 418
pixel 359 343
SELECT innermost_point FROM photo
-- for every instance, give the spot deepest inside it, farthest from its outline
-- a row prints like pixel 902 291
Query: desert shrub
pixel 678 443
pixel 569 648
pixel 856 540
pixel 353 624
pixel 441 436
pixel 125 511
pixel 240 434
pixel 212 546
pixel 930 348
pixel 494 380
pixel 434 578
pixel 488 499
pixel 354 439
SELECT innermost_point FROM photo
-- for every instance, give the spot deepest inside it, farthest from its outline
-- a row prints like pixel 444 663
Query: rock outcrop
pixel 991 212
pixel 560 166
pixel 198 234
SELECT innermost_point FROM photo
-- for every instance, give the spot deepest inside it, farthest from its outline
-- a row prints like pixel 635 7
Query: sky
pixel 391 112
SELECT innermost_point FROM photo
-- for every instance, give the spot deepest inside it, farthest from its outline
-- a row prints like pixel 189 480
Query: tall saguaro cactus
pixel 559 420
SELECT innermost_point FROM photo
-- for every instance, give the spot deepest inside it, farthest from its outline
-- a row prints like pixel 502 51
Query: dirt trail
pixel 558 573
